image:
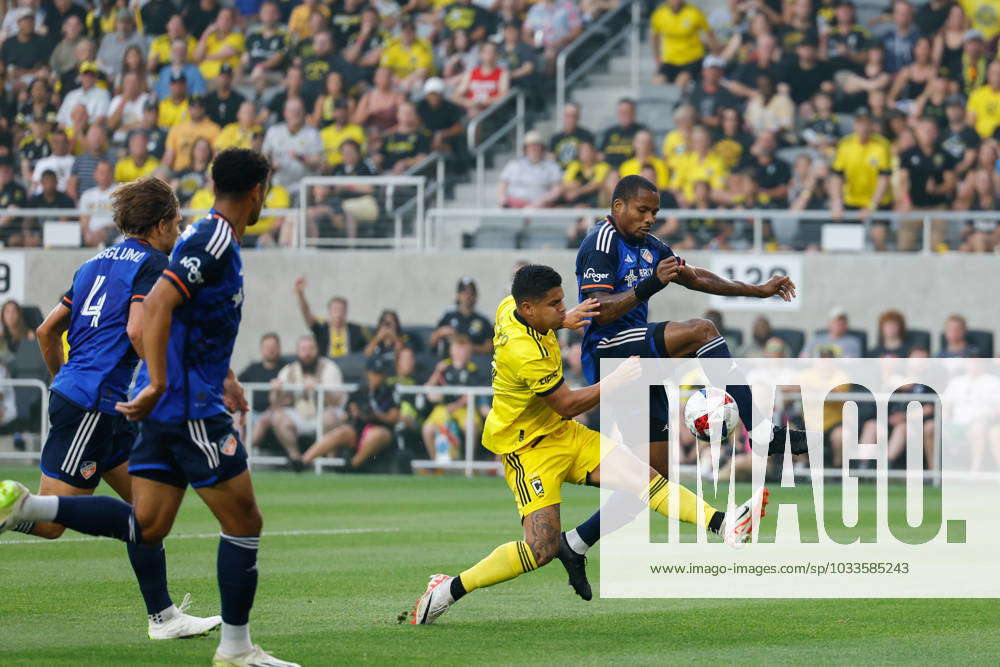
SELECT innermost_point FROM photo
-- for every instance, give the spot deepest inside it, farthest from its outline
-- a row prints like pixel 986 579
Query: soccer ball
pixel 708 409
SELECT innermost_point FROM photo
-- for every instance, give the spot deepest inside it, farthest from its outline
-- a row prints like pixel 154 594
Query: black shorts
pixel 83 444
pixel 199 452
pixel 671 72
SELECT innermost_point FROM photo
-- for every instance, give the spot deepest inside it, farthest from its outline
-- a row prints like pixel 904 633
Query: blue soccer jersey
pixel 101 358
pixel 606 262
pixel 207 270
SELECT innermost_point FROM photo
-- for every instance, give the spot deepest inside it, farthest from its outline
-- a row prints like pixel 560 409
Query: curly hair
pixel 236 171
pixel 138 207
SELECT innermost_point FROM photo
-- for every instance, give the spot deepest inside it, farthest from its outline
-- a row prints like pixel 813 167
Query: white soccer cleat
pixel 182 625
pixel 255 657
pixel 434 602
pixel 12 497
pixel 737 528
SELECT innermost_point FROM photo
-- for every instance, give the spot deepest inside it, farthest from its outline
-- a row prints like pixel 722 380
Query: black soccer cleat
pixel 576 567
pixel 796 438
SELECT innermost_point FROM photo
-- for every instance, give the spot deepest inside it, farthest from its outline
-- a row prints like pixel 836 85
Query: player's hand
pixel 668 269
pixel 626 373
pixel 234 397
pixel 300 284
pixel 140 406
pixel 780 285
pixel 582 314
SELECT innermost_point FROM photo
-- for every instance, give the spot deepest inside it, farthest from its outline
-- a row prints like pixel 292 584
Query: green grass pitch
pixel 343 555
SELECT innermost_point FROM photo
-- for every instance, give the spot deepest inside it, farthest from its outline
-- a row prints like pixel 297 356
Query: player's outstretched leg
pixel 507 561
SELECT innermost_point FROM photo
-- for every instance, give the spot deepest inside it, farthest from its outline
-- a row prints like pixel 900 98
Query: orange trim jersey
pixel 527 364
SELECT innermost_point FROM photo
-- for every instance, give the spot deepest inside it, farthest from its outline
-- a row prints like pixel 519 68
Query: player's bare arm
pixel 570 403
pixel 703 280
pixel 614 306
pixel 134 326
pixel 49 334
pixel 157 314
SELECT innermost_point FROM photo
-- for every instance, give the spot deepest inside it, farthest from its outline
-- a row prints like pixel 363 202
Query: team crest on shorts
pixel 646 255
pixel 536 485
pixel 229 447
pixel 87 469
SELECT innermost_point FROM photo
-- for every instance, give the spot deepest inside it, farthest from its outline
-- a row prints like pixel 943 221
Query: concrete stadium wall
pixel 421 285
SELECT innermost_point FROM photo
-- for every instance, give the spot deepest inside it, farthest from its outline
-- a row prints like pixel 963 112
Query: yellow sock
pixel 506 562
pixel 659 489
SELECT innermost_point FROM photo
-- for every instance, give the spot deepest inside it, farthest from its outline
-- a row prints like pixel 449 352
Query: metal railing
pixel 754 218
pixel 630 12
pixel 480 148
pixel 43 426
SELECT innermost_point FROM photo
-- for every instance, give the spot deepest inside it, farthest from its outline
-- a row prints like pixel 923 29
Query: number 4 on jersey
pixel 92 308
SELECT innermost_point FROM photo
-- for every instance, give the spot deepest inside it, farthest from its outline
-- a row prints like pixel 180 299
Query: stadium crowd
pixel 106 91
pixel 797 105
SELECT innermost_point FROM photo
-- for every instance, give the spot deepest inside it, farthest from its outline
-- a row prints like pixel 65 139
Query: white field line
pixel 206 536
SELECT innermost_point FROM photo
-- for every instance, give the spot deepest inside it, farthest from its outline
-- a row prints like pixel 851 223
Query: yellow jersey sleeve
pixel 541 375
pixel 572 169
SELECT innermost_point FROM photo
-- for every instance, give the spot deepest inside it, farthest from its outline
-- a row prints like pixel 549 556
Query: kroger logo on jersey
pixel 591 274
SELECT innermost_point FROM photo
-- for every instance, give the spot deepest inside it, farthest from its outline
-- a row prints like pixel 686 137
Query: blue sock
pixel 99 515
pixel 590 530
pixel 237 572
pixel 150 566
pixel 718 348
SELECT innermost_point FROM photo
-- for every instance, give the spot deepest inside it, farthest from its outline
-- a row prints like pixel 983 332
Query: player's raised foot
pixel 797 440
pixel 255 657
pixel 183 625
pixel 576 567
pixel 737 527
pixel 12 497
pixel 434 602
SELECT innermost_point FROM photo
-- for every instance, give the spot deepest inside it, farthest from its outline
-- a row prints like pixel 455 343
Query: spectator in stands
pixel 677 32
pixel 156 136
pixel 138 162
pixel 984 103
pixel 855 87
pixel 769 108
pixel 861 169
pixel 956 344
pixel 25 53
pixel 644 154
pixel 336 336
pixel 409 58
pixel 821 131
pixel 30 229
pixel 698 165
pixel 12 195
pixel 710 92
pixel 763 59
pixel 113 44
pixel 264 371
pixel 770 173
pixel 980 190
pixel 807 74
pixel 185 134
pixel 376 110
pixel 325 216
pixel 406 145
pixel 892 336
pixel 448 417
pixel 565 144
pixel 465 320
pixel 323 60
pixel 325 108
pixel 195 175
pixel 388 338
pixel 14 329
pixel 295 149
pixel 298 21
pixel 173 109
pixel 843 43
pixel 198 16
pixel 677 140
pixel 269 230
pixel 63 59
pixel 60 162
pixel 551 25
pixel 912 81
pixel 481 86
pixel 836 339
pixel 97 225
pixel 959 139
pixel 532 180
pixel 927 182
pixel 295 398
pixel 760 335
pixel 617 140
pixel 161 48
pixel 220 43
pixel 445 120
pixel 81 175
pixel 239 134
pixel 584 178
pixel 125 110
pixel 901 39
pixel 34 145
pixel 519 59
pixel 358 201
pixel 372 412
pixel 223 103
pixel 179 69
pixel 265 49
pixel 364 48
pixel 89 94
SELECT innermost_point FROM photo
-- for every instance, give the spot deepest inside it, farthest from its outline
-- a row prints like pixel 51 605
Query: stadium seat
pixel 352 367
pixel 419 337
pixel 734 338
pixel 860 334
pixel 978 337
pixel 794 338
pixel 28 364
pixel 919 338
pixel 495 237
pixel 544 237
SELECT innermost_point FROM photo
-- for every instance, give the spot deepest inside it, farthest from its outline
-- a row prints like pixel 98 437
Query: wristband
pixel 647 287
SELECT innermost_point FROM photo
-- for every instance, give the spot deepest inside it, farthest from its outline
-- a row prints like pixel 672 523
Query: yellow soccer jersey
pixel 984 16
pixel 860 165
pixel 679 33
pixel 405 61
pixel 690 168
pixel 127 170
pixel 526 365
pixel 986 105
pixel 632 167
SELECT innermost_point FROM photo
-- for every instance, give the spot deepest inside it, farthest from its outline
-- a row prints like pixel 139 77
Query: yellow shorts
pixel 536 472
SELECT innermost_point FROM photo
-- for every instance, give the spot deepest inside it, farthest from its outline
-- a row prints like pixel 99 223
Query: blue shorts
pixel 83 444
pixel 199 452
pixel 647 342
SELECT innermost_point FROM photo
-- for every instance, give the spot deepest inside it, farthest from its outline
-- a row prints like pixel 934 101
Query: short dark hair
pixel 629 187
pixel 138 207
pixel 236 171
pixel 533 281
pixel 271 334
